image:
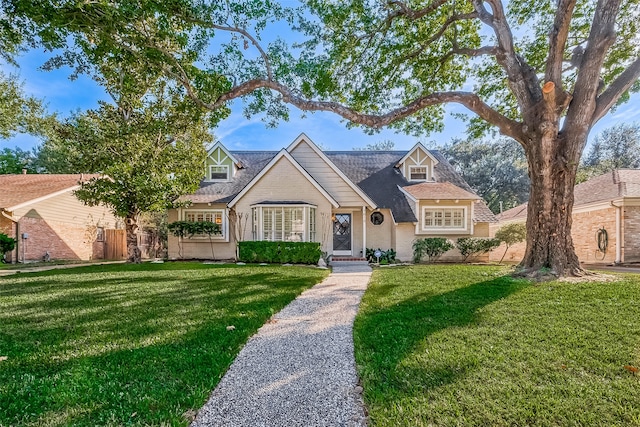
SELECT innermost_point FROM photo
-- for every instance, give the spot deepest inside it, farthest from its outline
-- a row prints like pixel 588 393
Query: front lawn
pixel 446 345
pixel 129 344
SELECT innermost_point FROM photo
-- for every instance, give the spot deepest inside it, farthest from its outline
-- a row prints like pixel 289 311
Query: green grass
pixel 129 344
pixel 445 345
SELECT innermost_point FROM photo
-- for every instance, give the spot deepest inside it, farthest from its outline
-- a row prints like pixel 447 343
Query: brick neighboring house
pixel 42 213
pixel 607 203
pixel 345 200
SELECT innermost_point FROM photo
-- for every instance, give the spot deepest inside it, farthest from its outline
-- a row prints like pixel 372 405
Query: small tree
pixel 431 247
pixel 7 244
pixel 473 246
pixel 148 148
pixel 511 234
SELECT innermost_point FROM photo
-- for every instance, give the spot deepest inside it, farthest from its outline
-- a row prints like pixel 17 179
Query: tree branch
pixel 522 78
pixel 412 14
pixel 601 37
pixel 558 40
pixel 425 45
pixel 253 41
pixel 619 86
pixel 469 100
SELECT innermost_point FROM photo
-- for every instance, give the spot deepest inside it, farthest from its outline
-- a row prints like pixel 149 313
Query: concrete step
pixel 346 261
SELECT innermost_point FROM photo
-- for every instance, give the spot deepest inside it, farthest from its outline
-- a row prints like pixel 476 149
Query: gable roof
pixel 283 154
pixel 304 138
pixel 414 148
pixel 21 190
pixel 610 186
pixel 372 172
pixel 218 144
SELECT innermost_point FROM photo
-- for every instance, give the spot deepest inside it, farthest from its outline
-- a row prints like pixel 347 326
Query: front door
pixel 342 234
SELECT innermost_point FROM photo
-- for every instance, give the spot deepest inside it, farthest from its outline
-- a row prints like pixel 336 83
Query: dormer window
pixel 417 173
pixel 219 173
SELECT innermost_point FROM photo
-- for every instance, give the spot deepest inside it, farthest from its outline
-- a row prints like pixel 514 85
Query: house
pixel 346 200
pixel 44 216
pixel 606 220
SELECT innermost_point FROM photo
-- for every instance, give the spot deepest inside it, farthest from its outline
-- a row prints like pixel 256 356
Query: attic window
pixel 219 173
pixel 417 173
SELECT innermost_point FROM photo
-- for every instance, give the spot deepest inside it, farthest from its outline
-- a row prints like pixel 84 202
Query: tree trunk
pixel 133 251
pixel 552 172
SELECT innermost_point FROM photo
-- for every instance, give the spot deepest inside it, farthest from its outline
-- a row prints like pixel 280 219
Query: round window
pixel 377 218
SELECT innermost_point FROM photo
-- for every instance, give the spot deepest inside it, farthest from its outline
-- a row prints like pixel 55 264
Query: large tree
pixel 542 73
pixel 148 152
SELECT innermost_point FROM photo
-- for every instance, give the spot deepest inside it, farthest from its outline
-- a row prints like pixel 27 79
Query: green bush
pixel 279 252
pixel 387 257
pixel 7 244
pixel 431 247
pixel 471 246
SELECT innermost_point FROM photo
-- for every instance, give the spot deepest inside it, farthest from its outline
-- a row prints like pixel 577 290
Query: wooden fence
pixel 115 244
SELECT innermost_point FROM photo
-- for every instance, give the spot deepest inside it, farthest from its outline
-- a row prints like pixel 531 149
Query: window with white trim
pixel 216 216
pixel 284 223
pixel 219 173
pixel 444 218
pixel 417 173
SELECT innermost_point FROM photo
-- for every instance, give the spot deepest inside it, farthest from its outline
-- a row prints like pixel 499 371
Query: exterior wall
pixel 445 204
pixel 515 252
pixel 631 227
pixel 404 237
pixel 326 177
pixel 380 236
pixel 197 247
pixel 62 226
pixel 284 182
pixel 584 229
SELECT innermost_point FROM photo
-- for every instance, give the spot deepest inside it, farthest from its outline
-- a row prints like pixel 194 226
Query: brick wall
pixel 583 231
pixel 62 241
pixel 631 233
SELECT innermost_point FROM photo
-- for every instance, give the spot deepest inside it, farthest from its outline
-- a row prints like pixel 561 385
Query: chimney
pixel 24 171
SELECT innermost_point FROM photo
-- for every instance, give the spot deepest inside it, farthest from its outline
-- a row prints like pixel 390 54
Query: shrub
pixel 279 252
pixel 7 244
pixel 472 246
pixel 431 247
pixel 387 257
pixel 511 234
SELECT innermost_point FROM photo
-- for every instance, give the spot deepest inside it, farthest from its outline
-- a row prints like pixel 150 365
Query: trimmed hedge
pixel 280 252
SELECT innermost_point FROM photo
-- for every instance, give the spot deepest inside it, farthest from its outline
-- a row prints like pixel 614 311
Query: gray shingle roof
pixel 373 171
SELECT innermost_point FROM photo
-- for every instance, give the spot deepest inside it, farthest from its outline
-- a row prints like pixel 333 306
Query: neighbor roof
pixel 22 189
pixel 606 187
pixel 374 172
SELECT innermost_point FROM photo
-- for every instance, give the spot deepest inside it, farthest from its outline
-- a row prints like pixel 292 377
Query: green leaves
pixel 148 155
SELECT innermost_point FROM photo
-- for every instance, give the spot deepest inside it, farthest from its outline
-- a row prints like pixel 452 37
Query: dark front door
pixel 342 234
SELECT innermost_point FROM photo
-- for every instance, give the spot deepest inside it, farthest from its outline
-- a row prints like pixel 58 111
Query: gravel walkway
pixel 299 369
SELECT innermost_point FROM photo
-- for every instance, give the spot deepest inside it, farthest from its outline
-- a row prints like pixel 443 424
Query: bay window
pixel 290 223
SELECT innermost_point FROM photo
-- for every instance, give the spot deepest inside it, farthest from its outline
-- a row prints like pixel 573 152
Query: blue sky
pixel 237 132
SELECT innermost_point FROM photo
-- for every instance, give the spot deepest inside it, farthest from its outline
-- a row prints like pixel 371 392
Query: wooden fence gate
pixel 115 244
